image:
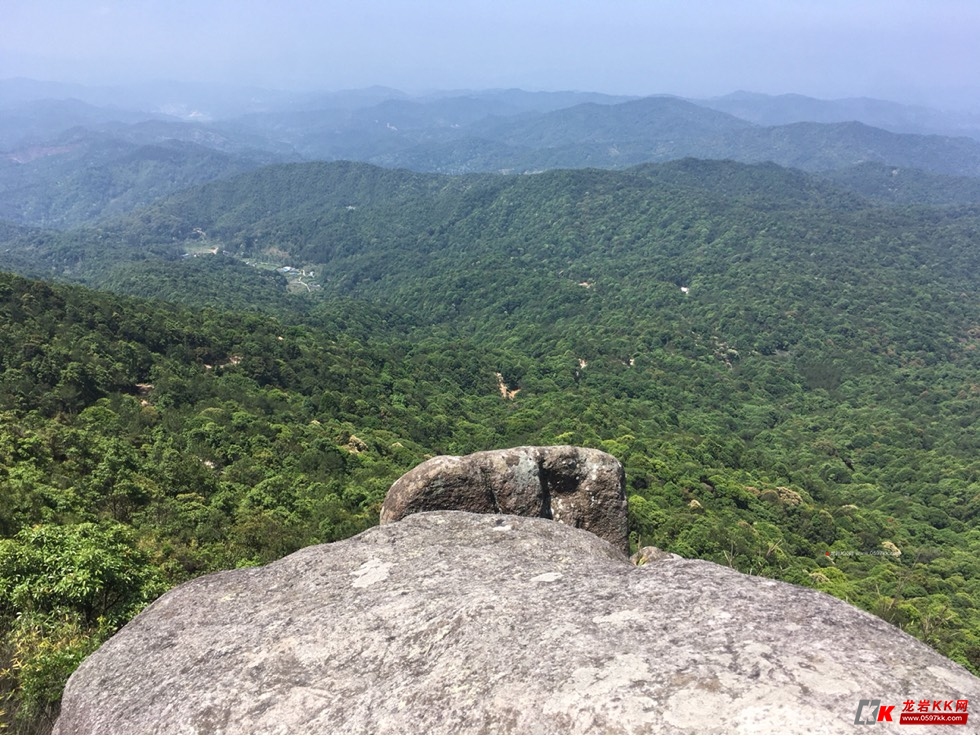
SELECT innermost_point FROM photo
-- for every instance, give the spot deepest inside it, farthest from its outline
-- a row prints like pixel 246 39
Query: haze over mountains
pixel 56 141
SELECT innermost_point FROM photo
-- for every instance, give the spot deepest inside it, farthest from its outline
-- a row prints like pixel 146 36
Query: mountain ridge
pixel 492 131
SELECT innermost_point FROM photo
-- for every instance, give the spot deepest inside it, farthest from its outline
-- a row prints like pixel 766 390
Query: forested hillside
pixel 141 445
pixel 897 185
pixel 82 176
pixel 788 371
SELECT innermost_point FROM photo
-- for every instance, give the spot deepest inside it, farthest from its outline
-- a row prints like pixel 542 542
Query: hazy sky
pixel 908 50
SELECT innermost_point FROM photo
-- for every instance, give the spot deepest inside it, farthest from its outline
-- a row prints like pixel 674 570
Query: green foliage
pixel 804 409
pixel 63 590
pixel 40 652
pixel 92 570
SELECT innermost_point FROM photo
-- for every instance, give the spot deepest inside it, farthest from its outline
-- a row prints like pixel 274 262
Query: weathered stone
pixel 450 622
pixel 578 486
pixel 650 555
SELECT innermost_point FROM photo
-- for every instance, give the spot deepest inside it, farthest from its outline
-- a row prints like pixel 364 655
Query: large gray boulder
pixel 450 622
pixel 578 486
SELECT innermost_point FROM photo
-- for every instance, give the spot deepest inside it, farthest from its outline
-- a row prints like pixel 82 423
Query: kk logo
pixel 877 712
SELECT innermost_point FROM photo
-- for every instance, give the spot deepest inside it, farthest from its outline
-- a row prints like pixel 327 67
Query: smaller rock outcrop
pixel 577 486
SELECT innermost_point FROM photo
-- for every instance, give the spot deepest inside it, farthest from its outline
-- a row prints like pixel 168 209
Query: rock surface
pixel 453 622
pixel 578 486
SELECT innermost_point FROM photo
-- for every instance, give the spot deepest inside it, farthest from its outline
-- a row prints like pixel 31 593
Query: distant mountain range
pixel 71 155
pixel 892 116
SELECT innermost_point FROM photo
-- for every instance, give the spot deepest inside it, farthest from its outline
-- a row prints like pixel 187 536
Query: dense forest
pixel 787 365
